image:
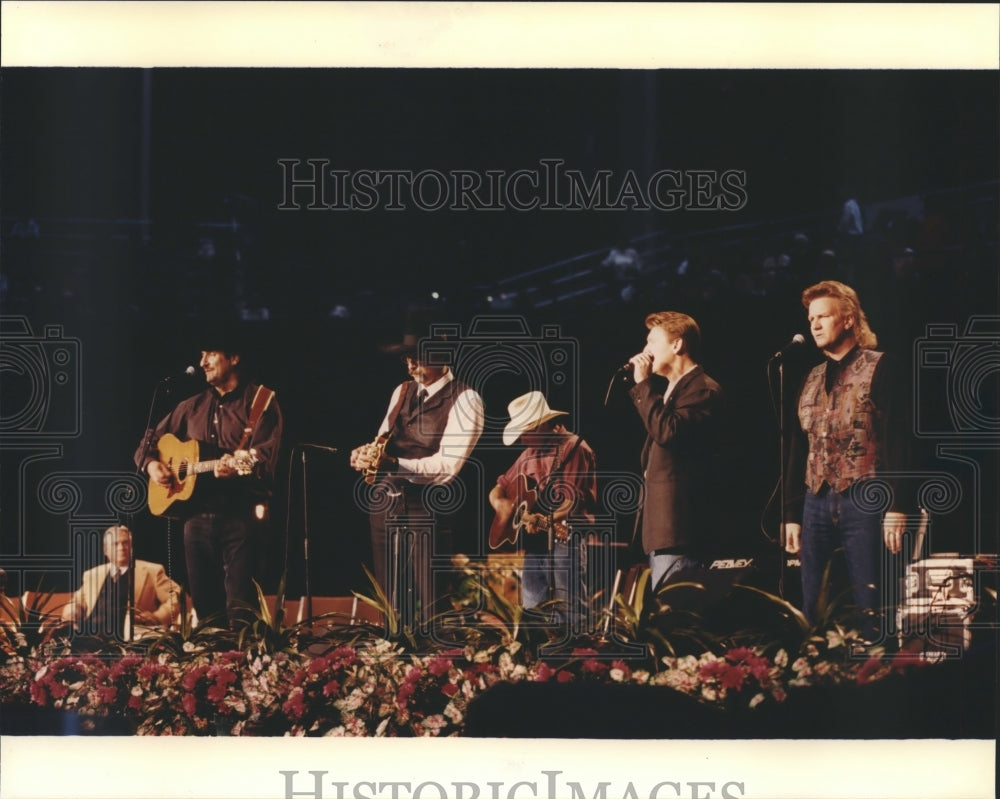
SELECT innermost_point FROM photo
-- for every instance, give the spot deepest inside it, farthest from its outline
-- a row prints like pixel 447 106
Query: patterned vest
pixel 419 427
pixel 842 426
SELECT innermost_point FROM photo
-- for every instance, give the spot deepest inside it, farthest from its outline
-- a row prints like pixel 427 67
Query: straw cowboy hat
pixel 526 413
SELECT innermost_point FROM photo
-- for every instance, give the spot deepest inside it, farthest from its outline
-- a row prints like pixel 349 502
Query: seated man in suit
pixel 101 603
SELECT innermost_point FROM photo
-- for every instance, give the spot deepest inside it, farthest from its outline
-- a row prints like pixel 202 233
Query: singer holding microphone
pixel 852 428
pixel 679 405
pixel 237 424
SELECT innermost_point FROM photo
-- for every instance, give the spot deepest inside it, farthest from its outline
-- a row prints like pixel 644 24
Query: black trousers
pixel 411 549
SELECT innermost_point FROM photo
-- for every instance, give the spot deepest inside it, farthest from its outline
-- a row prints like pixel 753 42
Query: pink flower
pixel 732 678
pixel 739 654
pixel 760 669
pixel 190 704
pixel 294 707
pixel 449 689
pixel 592 666
pixel 332 688
pixel 439 666
pixel 564 676
pixel 544 672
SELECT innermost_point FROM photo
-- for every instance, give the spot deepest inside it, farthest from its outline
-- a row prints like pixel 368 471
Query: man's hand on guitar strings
pixel 160 474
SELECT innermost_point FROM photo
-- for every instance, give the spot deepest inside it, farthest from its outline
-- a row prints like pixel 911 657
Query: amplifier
pixel 940 602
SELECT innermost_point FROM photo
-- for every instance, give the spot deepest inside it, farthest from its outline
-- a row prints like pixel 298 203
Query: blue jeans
pixel 566 574
pixel 831 521
pixel 662 566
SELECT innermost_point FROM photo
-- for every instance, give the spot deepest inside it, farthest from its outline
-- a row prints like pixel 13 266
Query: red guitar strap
pixel 261 399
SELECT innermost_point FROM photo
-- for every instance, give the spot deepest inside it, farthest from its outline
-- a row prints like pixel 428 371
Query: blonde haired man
pixel 852 427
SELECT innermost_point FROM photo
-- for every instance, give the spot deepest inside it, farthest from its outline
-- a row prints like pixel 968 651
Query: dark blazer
pixel 677 459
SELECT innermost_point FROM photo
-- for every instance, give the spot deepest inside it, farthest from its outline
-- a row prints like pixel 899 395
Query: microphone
pixel 190 371
pixel 320 447
pixel 797 341
pixel 625 368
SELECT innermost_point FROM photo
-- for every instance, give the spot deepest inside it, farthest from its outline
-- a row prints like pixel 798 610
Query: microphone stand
pixel 303 448
pixel 307 612
pixel 147 446
pixel 781 478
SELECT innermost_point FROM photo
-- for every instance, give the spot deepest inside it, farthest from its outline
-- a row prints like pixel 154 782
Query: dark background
pixel 139 205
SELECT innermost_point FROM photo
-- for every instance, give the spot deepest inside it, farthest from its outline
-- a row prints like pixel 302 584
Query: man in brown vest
pixel 431 427
pixel 851 429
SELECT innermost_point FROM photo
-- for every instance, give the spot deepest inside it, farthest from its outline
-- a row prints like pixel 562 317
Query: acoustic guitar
pixel 507 525
pixel 181 458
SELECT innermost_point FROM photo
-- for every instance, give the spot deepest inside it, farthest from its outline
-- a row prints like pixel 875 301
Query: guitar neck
pixel 200 467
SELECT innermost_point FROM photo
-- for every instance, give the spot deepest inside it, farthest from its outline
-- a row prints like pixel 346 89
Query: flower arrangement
pixel 374 689
pixel 271 680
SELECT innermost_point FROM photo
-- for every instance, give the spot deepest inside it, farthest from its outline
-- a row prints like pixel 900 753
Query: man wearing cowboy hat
pixel 433 423
pixel 552 481
pixel 223 530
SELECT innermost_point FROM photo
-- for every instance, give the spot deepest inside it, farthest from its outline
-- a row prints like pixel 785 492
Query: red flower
pixel 439 666
pixel 595 667
pixel 449 689
pixel 584 652
pixel 332 688
pixel 544 672
pixel 107 695
pixel 58 690
pixel 192 677
pixel 713 669
pixel 760 668
pixel 190 704
pixel 868 669
pixel 732 677
pixel 564 676
pixel 739 654
pixel 294 707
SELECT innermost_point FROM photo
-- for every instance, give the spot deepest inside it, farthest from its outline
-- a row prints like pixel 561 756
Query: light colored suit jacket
pixel 155 592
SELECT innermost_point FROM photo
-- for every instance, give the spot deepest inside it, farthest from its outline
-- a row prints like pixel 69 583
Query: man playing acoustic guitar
pixel 232 422
pixel 553 480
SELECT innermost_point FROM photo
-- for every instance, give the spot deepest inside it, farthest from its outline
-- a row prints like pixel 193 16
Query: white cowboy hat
pixel 527 412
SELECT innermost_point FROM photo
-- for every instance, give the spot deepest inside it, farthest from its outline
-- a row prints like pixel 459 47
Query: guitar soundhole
pixel 182 471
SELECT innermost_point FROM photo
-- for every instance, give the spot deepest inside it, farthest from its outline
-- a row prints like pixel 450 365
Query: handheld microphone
pixel 625 368
pixel 189 371
pixel 797 341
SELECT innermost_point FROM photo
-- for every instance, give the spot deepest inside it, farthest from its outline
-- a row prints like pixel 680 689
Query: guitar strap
pixel 261 399
pixel 404 390
pixel 562 463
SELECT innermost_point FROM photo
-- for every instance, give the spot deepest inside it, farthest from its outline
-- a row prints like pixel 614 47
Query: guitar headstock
pixel 244 460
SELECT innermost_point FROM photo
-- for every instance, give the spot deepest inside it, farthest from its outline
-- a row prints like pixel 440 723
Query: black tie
pixel 421 396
